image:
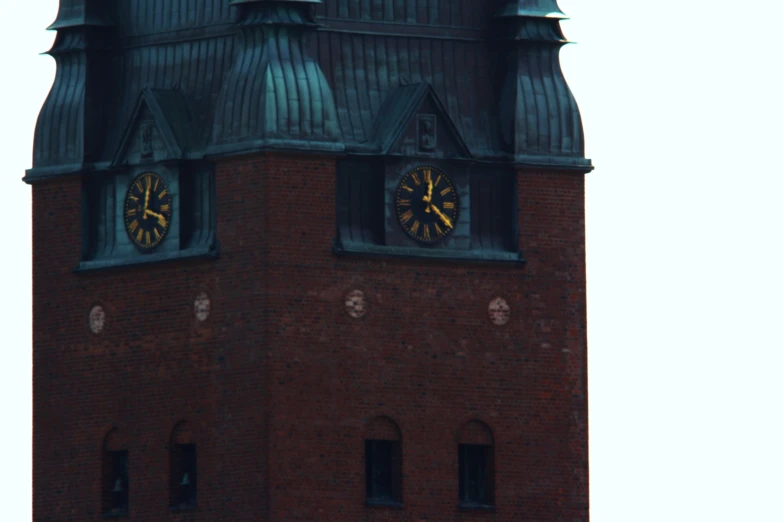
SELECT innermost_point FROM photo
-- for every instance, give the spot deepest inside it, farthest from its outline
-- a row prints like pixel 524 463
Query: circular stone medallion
pixel 356 304
pixel 202 306
pixel 499 311
pixel 97 319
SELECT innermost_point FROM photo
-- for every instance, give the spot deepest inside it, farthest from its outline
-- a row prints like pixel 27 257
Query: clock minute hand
pixel 147 197
pixel 446 221
pixel 161 218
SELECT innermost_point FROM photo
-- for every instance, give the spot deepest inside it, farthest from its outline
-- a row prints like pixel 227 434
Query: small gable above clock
pixel 155 201
pixel 414 122
pixel 417 190
pixel 160 129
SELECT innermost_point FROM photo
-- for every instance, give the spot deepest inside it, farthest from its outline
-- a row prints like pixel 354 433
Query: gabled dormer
pixel 158 143
pixel 415 133
pixel 160 129
pixel 414 122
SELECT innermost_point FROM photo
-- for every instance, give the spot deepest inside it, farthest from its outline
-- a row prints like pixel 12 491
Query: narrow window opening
pixel 476 475
pixel 115 497
pixel 383 471
pixel 183 481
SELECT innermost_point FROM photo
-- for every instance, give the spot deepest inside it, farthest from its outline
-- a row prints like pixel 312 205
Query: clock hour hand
pixel 446 221
pixel 161 219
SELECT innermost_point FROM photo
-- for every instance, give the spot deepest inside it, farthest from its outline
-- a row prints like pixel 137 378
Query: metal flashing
pixel 351 248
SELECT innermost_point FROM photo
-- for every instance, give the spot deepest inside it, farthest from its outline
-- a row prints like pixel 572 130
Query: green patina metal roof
pixel 307 75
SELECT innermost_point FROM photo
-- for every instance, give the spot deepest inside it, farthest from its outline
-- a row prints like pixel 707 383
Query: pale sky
pixel 681 102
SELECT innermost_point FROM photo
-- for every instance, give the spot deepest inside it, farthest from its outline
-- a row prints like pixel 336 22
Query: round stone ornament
pixel 499 311
pixel 202 306
pixel 356 304
pixel 97 319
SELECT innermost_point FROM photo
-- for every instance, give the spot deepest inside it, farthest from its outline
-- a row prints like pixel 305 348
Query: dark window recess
pixel 476 475
pixel 97 216
pixel 360 202
pixel 115 483
pixel 492 209
pixel 184 476
pixel 197 208
pixel 383 471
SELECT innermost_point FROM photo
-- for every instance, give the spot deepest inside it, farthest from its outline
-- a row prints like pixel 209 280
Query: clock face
pixel 427 204
pixel 147 211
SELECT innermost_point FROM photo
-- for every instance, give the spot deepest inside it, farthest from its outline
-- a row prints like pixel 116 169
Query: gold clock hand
pixel 428 198
pixel 161 219
pixel 147 197
pixel 446 221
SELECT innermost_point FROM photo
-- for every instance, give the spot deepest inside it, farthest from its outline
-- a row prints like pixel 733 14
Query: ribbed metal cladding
pixel 447 13
pixel 143 17
pixel 365 68
pixel 304 74
pixel 71 126
pixel 82 13
pixel 196 67
pixel 275 94
pixel 59 136
pixel 541 118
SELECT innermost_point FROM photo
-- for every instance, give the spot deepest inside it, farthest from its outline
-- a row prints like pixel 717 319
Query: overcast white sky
pixel 681 102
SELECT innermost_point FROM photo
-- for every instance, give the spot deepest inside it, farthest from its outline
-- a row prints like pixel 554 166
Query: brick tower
pixel 317 260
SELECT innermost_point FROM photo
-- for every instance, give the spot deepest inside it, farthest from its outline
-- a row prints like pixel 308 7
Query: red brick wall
pixel 280 362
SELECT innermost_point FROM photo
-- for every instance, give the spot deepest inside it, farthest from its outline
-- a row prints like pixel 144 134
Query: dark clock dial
pixel 427 204
pixel 147 210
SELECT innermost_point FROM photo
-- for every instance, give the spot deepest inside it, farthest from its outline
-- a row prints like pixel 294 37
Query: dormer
pixel 414 122
pixel 160 130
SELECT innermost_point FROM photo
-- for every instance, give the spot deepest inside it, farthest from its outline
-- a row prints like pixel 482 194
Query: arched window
pixel 183 469
pixel 476 465
pixel 383 462
pixel 115 483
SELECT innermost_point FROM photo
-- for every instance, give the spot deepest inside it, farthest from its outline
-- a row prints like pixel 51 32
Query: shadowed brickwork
pixel 278 385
